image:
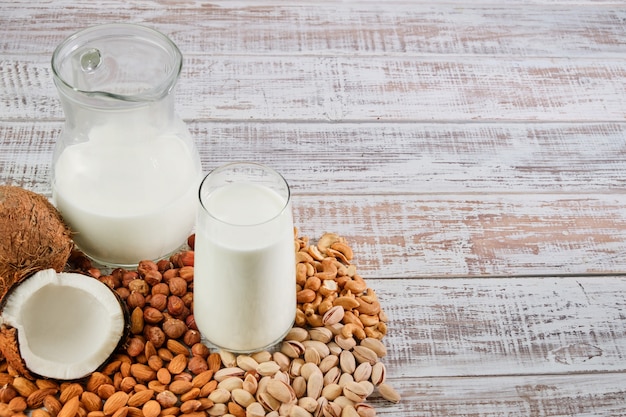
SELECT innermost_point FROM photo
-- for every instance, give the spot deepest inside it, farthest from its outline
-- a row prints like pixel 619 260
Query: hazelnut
pixel 128 276
pixel 186 272
pixel 175 305
pixel 174 328
pixel 135 299
pixel 178 286
pixel 167 399
pixel 199 349
pixel 135 347
pixel 153 277
pixel 197 365
pixel 163 265
pixel 158 301
pixel 140 286
pixel 155 335
pixel 191 337
pixel 146 266
pixel 190 321
pixel 161 288
pixel 152 316
pixel 169 274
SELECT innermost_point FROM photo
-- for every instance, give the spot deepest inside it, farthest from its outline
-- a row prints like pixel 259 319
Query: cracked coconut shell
pixel 33 236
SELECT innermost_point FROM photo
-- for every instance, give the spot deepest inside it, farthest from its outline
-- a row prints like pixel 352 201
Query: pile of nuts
pixel 327 365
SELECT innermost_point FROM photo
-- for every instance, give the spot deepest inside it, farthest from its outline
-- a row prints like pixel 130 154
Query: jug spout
pixel 117 62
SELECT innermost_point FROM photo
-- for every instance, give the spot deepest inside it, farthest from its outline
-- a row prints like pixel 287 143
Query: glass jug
pixel 125 171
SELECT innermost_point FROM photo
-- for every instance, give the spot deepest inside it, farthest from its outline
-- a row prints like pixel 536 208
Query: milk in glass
pixel 244 280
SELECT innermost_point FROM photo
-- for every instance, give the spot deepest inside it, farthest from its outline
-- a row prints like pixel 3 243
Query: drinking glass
pixel 244 274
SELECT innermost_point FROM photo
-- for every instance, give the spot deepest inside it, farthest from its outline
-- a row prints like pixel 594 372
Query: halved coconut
pixel 60 325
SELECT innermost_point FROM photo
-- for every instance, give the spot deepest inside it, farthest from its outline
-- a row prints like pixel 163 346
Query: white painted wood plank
pixel 372 158
pixel 504 327
pixel 380 89
pixel 502 347
pixel 336 28
pixel 475 235
pixel 520 396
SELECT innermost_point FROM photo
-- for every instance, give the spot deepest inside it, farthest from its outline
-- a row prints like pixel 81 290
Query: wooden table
pixel 472 153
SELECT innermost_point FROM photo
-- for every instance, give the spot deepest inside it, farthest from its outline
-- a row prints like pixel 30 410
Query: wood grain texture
pixel 389 158
pixel 528 347
pixel 518 28
pixel 355 89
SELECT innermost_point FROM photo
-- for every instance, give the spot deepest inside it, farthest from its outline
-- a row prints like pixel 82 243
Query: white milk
pixel 127 200
pixel 244 285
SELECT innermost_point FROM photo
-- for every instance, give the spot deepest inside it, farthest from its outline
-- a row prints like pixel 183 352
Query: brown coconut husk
pixel 33 236
pixel 11 352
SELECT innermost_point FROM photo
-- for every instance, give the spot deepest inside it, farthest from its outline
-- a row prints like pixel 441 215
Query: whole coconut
pixel 33 236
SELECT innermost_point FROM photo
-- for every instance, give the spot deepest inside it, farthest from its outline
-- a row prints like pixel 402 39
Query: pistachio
pixel 388 393
pixel 362 372
pixel 332 391
pixel 378 373
pixel 332 376
pixel 347 362
pixel 220 395
pixel 242 397
pixel 315 384
pixel 298 334
pixel 364 354
pixel 333 316
pixel 225 373
pixel 281 391
pixel 375 345
pixel 255 410
pixel 328 362
pixel 246 362
pixel 268 368
pixel 292 348
pixel 321 334
pixel 299 386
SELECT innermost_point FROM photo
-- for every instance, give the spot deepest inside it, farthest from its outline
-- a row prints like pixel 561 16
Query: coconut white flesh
pixel 67 324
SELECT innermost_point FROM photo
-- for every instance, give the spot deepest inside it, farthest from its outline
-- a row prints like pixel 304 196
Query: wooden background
pixel 473 154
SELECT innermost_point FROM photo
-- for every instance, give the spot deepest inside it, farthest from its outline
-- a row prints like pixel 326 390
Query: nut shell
pixel 34 236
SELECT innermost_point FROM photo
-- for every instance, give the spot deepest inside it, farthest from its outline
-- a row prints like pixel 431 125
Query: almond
pixel 140 398
pixel 70 408
pixel 215 362
pixel 202 378
pixel 180 386
pixel 69 391
pixel 121 412
pixel 105 391
pixel 178 364
pixel 96 379
pixel 115 402
pixel 177 348
pixel 151 409
pixel 40 413
pixel 35 400
pixel 23 386
pixel 18 404
pixel 142 373
pixel 91 401
pixel 52 405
